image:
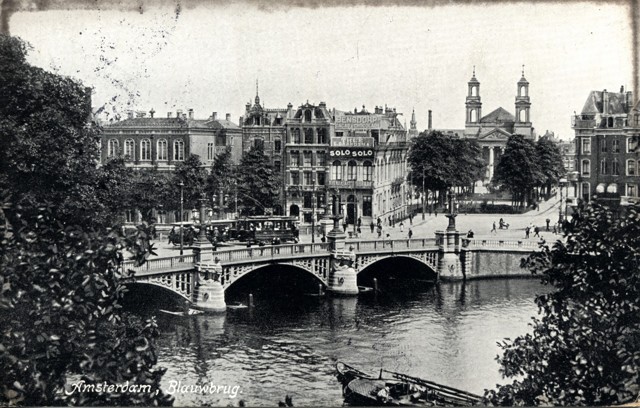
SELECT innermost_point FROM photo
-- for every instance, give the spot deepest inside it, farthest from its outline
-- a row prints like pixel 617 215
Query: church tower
pixel 522 125
pixel 413 130
pixel 474 105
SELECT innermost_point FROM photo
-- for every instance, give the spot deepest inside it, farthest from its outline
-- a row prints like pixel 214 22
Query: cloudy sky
pixel 208 57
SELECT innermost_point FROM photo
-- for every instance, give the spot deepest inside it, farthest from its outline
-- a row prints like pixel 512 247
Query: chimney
pixel 430 123
pixel 289 110
pixel 190 113
pixel 214 116
pixel 179 113
pixel 621 88
pixel 629 100
pixel 605 102
pixel 130 114
pixel 151 112
pixel 169 114
pixel 228 117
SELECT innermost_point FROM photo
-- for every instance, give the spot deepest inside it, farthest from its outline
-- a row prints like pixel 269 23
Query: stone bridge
pixel 202 277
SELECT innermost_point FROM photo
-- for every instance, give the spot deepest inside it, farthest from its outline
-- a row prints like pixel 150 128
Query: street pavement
pixel 480 224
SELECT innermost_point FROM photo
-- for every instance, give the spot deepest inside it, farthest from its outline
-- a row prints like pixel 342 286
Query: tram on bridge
pixel 259 230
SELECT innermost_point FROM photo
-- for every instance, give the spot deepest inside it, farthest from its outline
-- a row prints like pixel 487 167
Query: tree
pixel 258 183
pixel 549 160
pixel 61 250
pixel 445 161
pixel 115 186
pixel 222 179
pixel 518 169
pixel 192 173
pixel 585 349
pixel 152 190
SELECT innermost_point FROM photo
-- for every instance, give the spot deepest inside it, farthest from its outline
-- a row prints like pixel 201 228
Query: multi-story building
pixel 607 154
pixel 368 160
pixel 308 132
pixel 148 141
pixel 493 130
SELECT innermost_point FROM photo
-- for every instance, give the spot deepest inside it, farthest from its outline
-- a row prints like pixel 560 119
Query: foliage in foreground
pixel 585 349
pixel 61 251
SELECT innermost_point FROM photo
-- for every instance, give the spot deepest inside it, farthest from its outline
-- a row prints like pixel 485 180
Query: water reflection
pixel 289 345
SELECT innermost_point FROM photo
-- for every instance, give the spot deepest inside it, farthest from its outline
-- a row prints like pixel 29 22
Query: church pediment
pixel 495 134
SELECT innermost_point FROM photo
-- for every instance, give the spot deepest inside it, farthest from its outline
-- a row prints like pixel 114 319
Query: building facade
pixel 148 141
pixel 494 129
pixel 606 145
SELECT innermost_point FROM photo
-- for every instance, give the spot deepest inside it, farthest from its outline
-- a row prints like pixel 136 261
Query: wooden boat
pixel 395 389
pixel 188 313
pixel 237 305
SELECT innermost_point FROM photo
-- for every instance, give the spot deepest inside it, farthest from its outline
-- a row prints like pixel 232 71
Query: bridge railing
pixel 169 262
pixel 500 243
pixel 396 244
pixel 275 251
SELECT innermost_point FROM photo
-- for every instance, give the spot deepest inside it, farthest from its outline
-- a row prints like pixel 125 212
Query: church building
pixel 493 130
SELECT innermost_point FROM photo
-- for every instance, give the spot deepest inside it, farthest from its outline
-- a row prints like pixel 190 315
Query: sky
pixel 208 57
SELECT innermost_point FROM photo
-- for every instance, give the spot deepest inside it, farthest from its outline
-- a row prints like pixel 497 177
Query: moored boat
pixel 396 389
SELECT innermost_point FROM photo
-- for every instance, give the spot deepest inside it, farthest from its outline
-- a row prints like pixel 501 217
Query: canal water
pixel 289 344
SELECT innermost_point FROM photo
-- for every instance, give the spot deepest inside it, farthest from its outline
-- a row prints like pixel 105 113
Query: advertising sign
pixel 350 152
pixel 352 141
pixel 357 122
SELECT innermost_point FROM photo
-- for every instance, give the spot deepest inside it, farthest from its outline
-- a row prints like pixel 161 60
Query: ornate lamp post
pixel 313 209
pixel 181 215
pixel 453 213
pixel 423 196
pixel 562 182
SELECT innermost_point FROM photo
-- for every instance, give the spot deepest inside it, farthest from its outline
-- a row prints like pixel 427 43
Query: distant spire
pixel 413 119
pixel 523 70
pixel 257 97
pixel 474 70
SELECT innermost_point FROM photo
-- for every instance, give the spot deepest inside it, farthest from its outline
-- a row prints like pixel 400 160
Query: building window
pixel 307 158
pixel 295 159
pixel 320 200
pixel 615 146
pixel 178 150
pixel 586 191
pixel 210 151
pixel 322 136
pixel 129 149
pixel 339 134
pixel 631 167
pixel 295 178
pixel 367 206
pixel 321 158
pixel 162 149
pixel 336 170
pixel 368 171
pixel 277 166
pixel 308 179
pixel 145 149
pixel 321 178
pixel 307 115
pixel 308 136
pixel 258 143
pixel 603 145
pixel 632 190
pixel 296 135
pixel 603 166
pixel 352 170
pixel 307 197
pixel 615 167
pixel 112 148
pixel 586 168
pixel 277 145
pixel 632 144
pixel 586 146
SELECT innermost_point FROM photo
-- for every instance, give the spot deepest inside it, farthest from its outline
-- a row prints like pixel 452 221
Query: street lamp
pixel 453 213
pixel 423 196
pixel 181 215
pixel 562 182
pixel 313 209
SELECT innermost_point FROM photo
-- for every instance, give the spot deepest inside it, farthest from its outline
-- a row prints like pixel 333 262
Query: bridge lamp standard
pixel 181 215
pixel 562 182
pixel 453 210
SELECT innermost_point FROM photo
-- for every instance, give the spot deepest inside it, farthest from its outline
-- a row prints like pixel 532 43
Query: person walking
pixel 410 233
pixel 548 221
pixel 372 226
pixel 536 231
pixel 379 231
pixel 494 228
pixel 526 232
pixel 401 226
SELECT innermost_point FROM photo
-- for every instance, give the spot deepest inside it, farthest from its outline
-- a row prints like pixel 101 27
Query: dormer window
pixel 307 115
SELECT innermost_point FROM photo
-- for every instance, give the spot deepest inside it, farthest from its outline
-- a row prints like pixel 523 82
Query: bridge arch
pixel 231 275
pixel 163 288
pixel 429 263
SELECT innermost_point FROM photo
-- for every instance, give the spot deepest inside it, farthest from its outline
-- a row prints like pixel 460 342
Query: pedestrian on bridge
pixel 494 230
pixel 410 233
pixel 372 226
pixel 401 226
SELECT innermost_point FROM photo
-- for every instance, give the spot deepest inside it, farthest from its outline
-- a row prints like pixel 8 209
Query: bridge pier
pixel 343 279
pixel 449 265
pixel 209 293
